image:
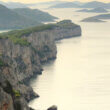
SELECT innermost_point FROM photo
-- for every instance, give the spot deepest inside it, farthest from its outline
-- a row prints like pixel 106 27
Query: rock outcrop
pixel 54 107
pixel 18 63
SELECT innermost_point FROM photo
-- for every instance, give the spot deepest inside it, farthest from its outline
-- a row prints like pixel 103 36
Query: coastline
pixel 26 55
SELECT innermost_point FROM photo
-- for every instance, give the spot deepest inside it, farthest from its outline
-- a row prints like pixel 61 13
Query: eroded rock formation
pixel 18 63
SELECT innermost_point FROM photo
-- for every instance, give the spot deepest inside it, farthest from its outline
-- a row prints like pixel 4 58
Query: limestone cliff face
pixel 10 98
pixel 22 62
pixel 44 45
pixel 6 102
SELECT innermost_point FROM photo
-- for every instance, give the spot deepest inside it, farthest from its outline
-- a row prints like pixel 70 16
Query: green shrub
pixel 1 63
pixel 1 54
pixel 16 40
pixel 16 35
pixel 16 93
pixel 20 41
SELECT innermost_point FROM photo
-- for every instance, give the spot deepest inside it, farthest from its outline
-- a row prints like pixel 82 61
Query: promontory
pixel 22 53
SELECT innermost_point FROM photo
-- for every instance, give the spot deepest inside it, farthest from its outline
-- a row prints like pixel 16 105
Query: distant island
pixel 98 18
pixel 48 3
pixel 22 17
pixel 95 10
pixel 91 20
pixel 66 5
pixel 102 16
pixel 58 4
pixel 93 4
pixel 13 5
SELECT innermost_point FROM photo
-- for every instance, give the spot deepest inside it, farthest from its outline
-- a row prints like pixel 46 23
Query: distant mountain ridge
pixel 95 10
pixel 66 5
pixel 21 18
pixel 93 4
pixel 35 14
pixel 45 3
pixel 58 4
pixel 10 19
pixel 13 4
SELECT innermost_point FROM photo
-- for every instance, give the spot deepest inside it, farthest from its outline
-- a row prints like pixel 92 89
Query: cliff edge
pixel 22 53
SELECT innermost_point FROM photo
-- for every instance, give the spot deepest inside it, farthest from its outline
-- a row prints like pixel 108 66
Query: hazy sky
pixel 33 1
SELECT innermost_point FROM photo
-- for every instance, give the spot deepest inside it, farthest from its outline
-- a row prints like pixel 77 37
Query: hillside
pixel 11 19
pixel 12 5
pixel 35 14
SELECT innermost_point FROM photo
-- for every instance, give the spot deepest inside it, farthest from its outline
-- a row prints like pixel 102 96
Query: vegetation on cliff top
pixel 1 63
pixel 16 35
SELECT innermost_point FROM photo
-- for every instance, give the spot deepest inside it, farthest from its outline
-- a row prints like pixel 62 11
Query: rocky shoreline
pixel 21 57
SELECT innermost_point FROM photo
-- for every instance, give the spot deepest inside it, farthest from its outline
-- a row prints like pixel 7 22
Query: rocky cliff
pixel 22 53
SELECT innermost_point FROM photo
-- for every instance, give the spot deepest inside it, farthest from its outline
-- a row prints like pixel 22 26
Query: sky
pixel 35 1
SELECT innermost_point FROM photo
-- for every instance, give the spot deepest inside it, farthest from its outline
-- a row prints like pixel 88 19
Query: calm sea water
pixel 79 79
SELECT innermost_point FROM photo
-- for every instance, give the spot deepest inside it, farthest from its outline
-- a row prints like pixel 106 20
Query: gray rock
pixel 6 102
pixel 54 107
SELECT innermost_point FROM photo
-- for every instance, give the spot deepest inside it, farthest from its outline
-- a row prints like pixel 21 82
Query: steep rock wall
pixel 22 62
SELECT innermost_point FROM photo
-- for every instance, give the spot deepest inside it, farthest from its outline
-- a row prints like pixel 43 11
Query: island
pixel 66 5
pixel 95 10
pixel 75 4
pixel 22 18
pixel 97 18
pixel 95 4
pixel 92 20
pixel 102 16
